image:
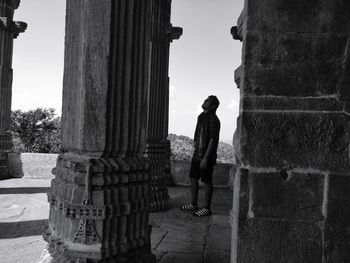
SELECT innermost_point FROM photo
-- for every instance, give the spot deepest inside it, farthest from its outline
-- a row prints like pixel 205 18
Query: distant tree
pixel 39 130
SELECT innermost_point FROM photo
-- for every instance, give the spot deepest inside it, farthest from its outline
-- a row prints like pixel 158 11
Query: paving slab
pixel 189 238
pixel 176 235
pixel 182 257
pixel 22 250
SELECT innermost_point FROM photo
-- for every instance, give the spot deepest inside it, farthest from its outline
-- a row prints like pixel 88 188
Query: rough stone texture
pixel 87 43
pixel 337 234
pixel 292 144
pixel 316 16
pixel 296 139
pixel 265 241
pixel 9 30
pixel 293 64
pixel 99 198
pixel 279 195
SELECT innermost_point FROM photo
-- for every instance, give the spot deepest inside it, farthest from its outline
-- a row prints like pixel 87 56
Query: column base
pixel 160 201
pixel 4 166
pixel 158 152
pixel 159 197
pixel 59 254
pixel 99 210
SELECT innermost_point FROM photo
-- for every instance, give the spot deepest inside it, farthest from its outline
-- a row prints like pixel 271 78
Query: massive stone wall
pixel 291 202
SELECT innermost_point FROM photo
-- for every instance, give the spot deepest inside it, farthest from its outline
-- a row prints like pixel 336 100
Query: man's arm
pixel 210 149
pixel 214 130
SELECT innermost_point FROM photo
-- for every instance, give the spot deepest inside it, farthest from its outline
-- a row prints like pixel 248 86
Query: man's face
pixel 207 104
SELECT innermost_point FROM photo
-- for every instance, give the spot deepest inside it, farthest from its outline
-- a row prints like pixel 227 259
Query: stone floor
pixel 176 236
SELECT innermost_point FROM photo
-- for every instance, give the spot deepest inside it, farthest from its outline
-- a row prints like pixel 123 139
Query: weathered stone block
pixel 292 65
pixel 282 103
pixel 288 196
pixel 296 139
pixel 299 16
pixel 337 245
pixel 338 208
pixel 87 51
pixel 295 16
pixel 266 241
pixel 337 227
pixel 306 78
pixel 243 192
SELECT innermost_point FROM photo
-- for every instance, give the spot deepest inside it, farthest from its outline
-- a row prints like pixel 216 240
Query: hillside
pixel 182 149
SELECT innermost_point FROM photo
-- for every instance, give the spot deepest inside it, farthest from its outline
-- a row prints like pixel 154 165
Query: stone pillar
pixel 99 199
pixel 9 30
pixel 291 191
pixel 158 146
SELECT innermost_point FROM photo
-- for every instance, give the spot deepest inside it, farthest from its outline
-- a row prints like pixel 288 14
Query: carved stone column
pixel 9 30
pixel 99 199
pixel 291 192
pixel 158 147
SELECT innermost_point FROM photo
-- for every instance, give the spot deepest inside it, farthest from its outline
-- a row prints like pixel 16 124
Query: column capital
pixel 15 3
pixel 15 27
pixel 174 33
pixel 237 31
pixel 235 34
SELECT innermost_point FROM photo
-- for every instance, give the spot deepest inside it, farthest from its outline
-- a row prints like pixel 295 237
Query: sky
pixel 202 62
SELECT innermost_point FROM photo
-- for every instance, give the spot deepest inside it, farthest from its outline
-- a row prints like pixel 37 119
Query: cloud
pixel 233 104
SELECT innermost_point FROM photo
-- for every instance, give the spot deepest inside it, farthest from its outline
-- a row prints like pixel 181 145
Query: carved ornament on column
pixel 15 27
pixel 174 33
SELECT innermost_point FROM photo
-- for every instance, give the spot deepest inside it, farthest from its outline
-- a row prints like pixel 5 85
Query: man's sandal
pixel 203 212
pixel 189 207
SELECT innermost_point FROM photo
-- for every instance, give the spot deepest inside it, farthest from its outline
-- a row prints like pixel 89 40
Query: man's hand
pixel 204 163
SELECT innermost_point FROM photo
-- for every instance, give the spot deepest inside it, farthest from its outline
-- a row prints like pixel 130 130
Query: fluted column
pixel 99 199
pixel 291 190
pixel 158 146
pixel 9 30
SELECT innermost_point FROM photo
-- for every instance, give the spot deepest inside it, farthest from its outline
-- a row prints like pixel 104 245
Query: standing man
pixel 206 139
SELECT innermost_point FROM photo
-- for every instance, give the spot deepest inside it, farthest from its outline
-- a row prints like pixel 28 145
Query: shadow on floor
pixel 22 228
pixel 24 190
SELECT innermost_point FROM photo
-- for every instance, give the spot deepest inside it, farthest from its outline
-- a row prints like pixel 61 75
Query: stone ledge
pixel 32 165
pixel 40 165
pixel 180 174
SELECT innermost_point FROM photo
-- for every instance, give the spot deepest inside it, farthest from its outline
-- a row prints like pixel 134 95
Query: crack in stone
pixel 205 244
pixel 161 257
pixel 161 240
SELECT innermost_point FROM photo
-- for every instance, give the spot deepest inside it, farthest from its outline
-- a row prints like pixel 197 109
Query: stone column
pixel 9 30
pixel 291 191
pixel 158 146
pixel 99 198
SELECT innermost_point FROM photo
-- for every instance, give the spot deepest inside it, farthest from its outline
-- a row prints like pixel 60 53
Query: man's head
pixel 211 103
